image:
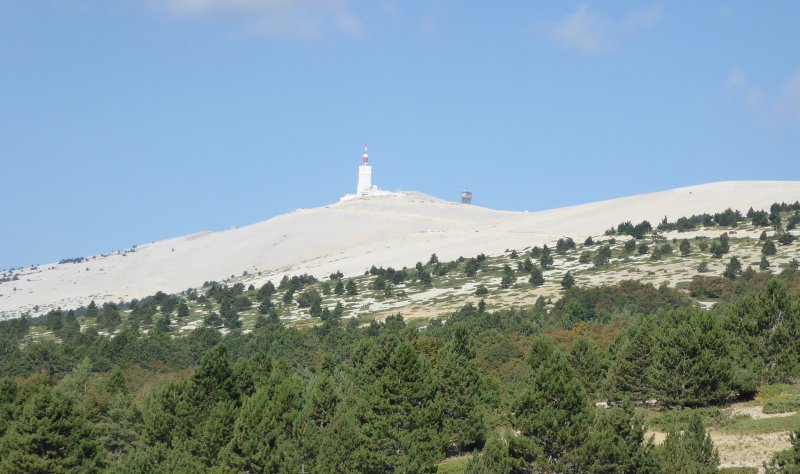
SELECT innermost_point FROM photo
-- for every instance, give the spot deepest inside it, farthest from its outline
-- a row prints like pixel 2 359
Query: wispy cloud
pixel 791 97
pixel 583 29
pixel 642 19
pixel 591 31
pixel 307 19
pixel 768 103
pixel 750 94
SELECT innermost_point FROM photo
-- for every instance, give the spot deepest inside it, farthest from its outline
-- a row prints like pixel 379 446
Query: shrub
pixel 536 279
pixel 685 248
pixel 564 244
pixel 630 246
pixel 656 254
pixel 568 281
pixel 782 406
pixel 733 269
pixel 602 257
pixel 785 238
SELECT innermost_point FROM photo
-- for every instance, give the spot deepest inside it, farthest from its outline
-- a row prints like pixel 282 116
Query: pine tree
pixel 628 373
pixel 266 291
pixel 263 435
pixel 546 258
pixel 213 380
pixel 158 459
pixel 733 269
pixel 425 278
pixel 508 277
pixel 552 410
pixel 213 434
pixel 9 391
pixel 50 434
pixel 617 444
pixel 265 306
pixel 590 365
pixel 769 248
pixel 229 315
pixel 92 310
pixel 537 278
pixel 526 265
pixel 168 415
pixel 768 327
pixel 109 319
pixel 564 244
pixel 502 454
pixel 321 402
pixel 401 416
pixel 685 248
pixel 691 451
pixel 341 445
pixel 183 309
pixel 458 390
pixel 602 257
pixel 568 281
pixel 691 364
pixel 110 407
pixel 724 242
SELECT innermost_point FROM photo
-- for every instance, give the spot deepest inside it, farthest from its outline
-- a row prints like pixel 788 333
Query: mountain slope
pixel 395 230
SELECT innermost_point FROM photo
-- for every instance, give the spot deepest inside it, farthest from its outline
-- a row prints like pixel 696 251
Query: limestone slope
pixel 395 230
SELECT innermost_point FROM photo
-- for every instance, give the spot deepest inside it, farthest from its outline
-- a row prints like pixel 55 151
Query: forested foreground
pixel 517 390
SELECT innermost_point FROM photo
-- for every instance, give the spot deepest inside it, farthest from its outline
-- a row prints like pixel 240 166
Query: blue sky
pixel 128 121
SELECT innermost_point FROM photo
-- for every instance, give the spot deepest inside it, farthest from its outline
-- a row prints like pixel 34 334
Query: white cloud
pixel 750 93
pixel 643 18
pixel 584 30
pixel 307 19
pixel 590 31
pixel 791 96
pixel 770 103
pixel 737 78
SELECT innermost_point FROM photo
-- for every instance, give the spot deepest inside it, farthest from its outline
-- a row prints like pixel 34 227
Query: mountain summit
pixel 393 229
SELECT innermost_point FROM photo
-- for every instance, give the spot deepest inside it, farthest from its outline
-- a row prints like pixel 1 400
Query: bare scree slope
pixel 396 229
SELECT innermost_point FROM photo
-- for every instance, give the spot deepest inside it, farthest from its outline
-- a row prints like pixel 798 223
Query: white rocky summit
pixel 394 229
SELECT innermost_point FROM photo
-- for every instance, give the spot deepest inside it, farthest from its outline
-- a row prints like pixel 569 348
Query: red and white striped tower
pixel 364 174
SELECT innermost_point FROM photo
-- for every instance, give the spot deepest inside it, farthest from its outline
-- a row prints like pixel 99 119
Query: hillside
pixel 694 318
pixel 395 230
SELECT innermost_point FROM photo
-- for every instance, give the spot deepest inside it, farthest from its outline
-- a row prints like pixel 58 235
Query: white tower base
pixel 364 179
